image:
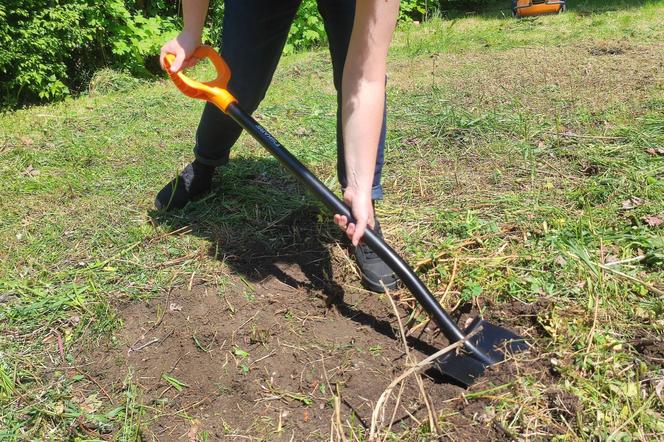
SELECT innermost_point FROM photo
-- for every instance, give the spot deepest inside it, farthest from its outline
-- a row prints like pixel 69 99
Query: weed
pixel 173 382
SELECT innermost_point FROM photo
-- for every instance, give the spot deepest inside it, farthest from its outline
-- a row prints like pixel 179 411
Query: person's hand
pixel 182 47
pixel 362 210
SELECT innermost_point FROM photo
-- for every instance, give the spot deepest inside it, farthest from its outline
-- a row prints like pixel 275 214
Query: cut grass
pixel 510 155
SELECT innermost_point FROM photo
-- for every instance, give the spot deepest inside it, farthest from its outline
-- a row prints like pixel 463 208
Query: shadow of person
pixel 260 223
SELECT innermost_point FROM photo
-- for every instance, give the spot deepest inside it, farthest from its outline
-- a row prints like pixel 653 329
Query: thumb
pixel 179 59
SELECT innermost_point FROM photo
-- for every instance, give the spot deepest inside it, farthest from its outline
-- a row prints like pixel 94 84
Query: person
pixel 254 33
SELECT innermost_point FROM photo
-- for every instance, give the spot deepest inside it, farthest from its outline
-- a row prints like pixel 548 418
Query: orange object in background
pixel 527 8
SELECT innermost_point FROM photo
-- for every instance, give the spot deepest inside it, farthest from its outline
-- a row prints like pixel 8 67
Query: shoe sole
pixel 377 286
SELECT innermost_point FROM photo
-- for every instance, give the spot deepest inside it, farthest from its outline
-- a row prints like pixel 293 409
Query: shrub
pixel 413 10
pixel 48 47
pixel 307 30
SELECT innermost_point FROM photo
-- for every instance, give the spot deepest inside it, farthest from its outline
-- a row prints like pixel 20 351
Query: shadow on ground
pixel 301 330
pixel 262 225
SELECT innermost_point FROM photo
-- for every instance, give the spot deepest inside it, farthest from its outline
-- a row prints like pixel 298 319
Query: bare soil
pixel 263 359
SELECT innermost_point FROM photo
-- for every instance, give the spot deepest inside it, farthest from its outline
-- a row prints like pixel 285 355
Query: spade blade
pixel 492 340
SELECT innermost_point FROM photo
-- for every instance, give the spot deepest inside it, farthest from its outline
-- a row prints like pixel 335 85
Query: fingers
pixel 341 221
pixel 189 62
pixel 358 231
pixel 182 48
pixel 179 60
pixel 186 63
pixel 354 231
pixel 362 210
pixel 167 49
pixel 350 231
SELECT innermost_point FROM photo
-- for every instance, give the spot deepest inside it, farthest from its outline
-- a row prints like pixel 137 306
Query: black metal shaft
pixel 375 242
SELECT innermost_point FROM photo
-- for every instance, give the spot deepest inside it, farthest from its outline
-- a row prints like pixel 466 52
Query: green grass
pixel 479 150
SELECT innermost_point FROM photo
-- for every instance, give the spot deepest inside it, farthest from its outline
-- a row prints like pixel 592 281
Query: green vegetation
pixel 525 167
pixel 49 49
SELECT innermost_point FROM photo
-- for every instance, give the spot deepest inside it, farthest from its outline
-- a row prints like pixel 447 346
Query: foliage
pixel 307 30
pixel 151 8
pixel 48 48
pixel 212 32
pixel 413 9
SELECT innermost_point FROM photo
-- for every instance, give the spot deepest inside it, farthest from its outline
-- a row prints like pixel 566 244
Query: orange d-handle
pixel 213 91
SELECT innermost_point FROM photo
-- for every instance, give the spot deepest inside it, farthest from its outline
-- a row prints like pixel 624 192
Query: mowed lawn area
pixel 524 181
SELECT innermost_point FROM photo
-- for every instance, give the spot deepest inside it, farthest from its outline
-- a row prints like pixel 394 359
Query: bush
pixel 49 47
pixel 307 30
pixel 413 10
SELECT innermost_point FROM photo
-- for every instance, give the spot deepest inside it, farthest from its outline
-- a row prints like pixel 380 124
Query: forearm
pixel 362 119
pixel 363 88
pixel 194 13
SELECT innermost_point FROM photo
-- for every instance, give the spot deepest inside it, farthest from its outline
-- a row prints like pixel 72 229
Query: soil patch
pixel 650 347
pixel 264 360
pixel 606 50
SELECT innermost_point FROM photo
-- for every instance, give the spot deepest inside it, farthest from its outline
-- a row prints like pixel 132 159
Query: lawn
pixel 524 181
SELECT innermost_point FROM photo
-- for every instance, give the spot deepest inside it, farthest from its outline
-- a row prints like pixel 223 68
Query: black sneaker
pixel 373 269
pixel 192 183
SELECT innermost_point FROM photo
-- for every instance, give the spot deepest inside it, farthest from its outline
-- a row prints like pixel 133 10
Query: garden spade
pixel 487 344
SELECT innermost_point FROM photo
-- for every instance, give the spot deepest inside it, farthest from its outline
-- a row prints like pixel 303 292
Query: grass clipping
pixel 378 426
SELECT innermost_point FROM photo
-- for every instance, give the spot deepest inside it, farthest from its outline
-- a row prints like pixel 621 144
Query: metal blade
pixel 493 340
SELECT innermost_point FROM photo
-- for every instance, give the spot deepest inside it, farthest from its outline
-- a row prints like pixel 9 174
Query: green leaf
pixel 174 382
pixel 237 351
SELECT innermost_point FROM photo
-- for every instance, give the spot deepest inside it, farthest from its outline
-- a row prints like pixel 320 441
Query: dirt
pixel 606 50
pixel 264 359
pixel 650 347
pixel 258 358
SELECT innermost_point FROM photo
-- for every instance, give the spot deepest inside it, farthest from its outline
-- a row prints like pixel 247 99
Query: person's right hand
pixel 182 47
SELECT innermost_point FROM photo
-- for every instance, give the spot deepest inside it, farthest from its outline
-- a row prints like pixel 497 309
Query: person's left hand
pixel 362 210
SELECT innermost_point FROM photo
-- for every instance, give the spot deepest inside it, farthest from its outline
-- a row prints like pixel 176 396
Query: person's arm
pixel 193 14
pixel 363 95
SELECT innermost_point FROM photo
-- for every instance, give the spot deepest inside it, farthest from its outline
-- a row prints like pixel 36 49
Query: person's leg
pixel 253 36
pixel 338 18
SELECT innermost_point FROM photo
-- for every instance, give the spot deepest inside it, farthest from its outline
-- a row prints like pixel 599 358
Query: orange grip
pixel 213 91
